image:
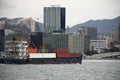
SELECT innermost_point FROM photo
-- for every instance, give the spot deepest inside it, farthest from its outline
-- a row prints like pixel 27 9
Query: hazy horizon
pixel 77 11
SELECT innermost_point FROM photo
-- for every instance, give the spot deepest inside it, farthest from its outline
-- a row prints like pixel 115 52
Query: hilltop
pixel 104 25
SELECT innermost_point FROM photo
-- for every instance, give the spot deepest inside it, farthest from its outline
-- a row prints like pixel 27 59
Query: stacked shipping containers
pixel 59 53
pixel 31 50
pixel 75 55
pixel 53 55
pixel 61 50
pixel 62 55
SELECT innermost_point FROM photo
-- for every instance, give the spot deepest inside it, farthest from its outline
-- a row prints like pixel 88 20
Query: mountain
pixel 24 25
pixel 3 19
pixel 14 19
pixel 104 25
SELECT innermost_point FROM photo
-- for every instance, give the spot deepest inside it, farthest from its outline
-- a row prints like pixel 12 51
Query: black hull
pixel 42 61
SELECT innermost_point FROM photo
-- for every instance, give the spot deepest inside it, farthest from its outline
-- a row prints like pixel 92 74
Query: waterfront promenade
pixel 110 55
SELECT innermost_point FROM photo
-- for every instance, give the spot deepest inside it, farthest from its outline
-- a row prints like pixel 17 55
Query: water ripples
pixel 89 70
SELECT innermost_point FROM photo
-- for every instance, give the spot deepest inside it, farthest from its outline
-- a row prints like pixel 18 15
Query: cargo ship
pixel 18 52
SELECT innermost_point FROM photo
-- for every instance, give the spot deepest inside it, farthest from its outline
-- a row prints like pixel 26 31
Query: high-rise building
pixel 36 39
pixel 76 43
pixel 47 40
pixel 2 24
pixel 54 19
pixel 60 40
pixel 114 34
pixel 1 40
pixel 86 43
pixel 118 32
pixel 91 31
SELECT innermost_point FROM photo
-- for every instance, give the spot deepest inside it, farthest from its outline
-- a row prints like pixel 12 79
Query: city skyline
pixel 77 11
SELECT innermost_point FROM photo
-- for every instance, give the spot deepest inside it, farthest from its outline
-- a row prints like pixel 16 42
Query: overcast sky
pixel 77 11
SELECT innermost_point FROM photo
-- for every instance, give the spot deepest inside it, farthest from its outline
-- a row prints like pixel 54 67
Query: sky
pixel 77 11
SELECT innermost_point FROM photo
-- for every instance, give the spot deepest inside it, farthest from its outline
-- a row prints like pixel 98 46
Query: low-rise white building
pixel 98 45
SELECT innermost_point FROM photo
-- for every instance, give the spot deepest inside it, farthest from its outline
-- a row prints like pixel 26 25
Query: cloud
pixel 76 10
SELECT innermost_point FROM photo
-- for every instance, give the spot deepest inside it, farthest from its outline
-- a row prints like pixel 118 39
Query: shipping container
pixel 62 55
pixel 61 50
pixel 43 55
pixel 31 50
pixel 49 55
pixel 49 50
pixel 43 50
pixel 32 55
pixel 46 50
pixel 74 55
pixel 53 50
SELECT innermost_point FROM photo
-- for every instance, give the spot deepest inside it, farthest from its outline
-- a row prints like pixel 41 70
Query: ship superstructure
pixel 18 52
pixel 16 49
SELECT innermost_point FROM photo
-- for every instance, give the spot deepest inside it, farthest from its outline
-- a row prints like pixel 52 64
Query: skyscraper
pixel 118 32
pixel 114 34
pixel 1 40
pixel 76 43
pixel 60 40
pixel 54 19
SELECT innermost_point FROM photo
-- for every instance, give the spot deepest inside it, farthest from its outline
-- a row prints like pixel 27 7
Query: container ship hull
pixel 42 61
pixel 19 53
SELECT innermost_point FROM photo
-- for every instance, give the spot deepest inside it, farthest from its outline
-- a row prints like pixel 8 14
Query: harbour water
pixel 88 70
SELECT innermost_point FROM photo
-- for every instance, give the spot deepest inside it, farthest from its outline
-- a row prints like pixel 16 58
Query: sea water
pixel 88 70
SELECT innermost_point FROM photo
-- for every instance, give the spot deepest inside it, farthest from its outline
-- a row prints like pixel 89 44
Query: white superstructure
pixel 16 49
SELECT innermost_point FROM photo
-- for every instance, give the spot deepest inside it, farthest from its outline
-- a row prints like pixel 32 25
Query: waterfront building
pixel 98 45
pixel 36 39
pixel 91 31
pixel 68 30
pixel 114 34
pixel 118 33
pixel 2 40
pixel 38 27
pixel 104 36
pixel 47 40
pixel 86 43
pixel 76 43
pixel 54 19
pixel 60 40
pixel 2 24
